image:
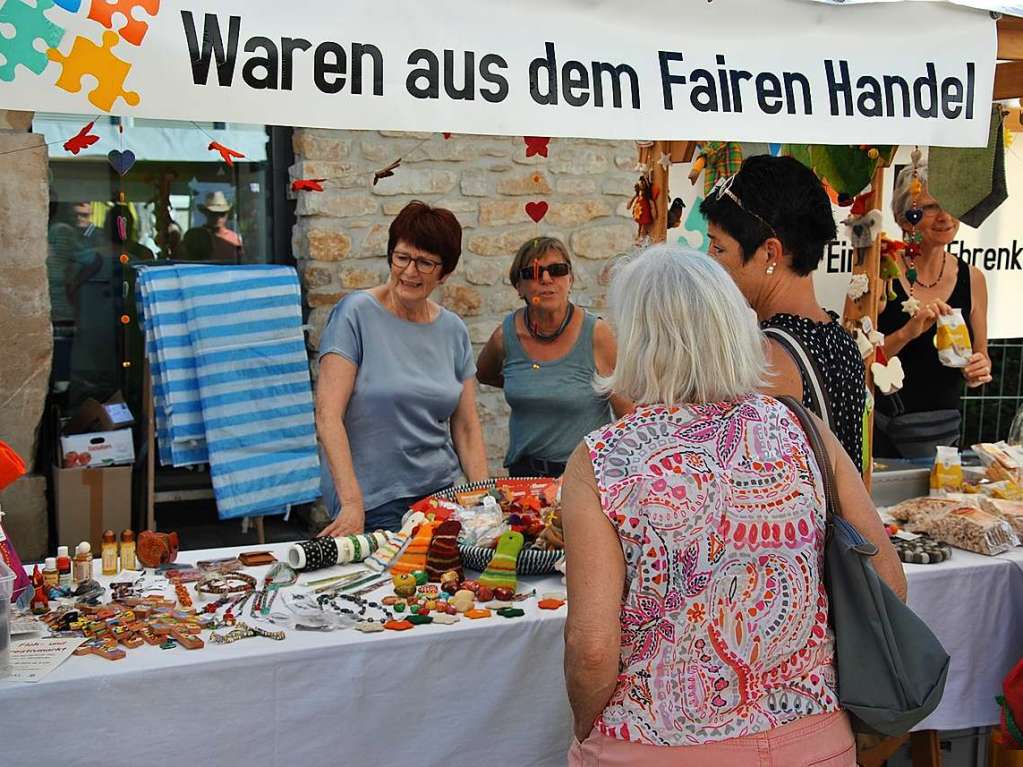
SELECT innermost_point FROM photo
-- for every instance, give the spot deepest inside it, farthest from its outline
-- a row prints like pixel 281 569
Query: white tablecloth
pixel 470 694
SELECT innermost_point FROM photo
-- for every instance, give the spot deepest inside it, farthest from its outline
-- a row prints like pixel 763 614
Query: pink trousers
pixel 825 740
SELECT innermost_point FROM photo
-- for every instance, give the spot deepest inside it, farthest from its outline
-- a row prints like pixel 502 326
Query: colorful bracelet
pixel 226 583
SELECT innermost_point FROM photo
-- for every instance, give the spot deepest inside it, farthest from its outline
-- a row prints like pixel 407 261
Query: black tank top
pixel 929 385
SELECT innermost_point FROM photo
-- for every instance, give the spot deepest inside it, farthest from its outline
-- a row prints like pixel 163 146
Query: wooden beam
pixel 1010 38
pixel 1008 80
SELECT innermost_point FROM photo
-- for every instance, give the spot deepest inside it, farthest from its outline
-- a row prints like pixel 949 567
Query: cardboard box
pixel 91 416
pixel 100 448
pixel 89 501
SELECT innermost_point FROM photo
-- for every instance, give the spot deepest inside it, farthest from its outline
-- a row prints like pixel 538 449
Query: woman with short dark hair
pixel 545 356
pixel 396 396
pixel 768 226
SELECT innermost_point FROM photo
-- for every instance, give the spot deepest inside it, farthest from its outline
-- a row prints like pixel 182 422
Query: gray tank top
pixel 553 405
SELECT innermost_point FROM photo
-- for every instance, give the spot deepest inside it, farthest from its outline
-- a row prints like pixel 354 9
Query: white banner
pixel 1011 9
pixel 996 248
pixel 784 70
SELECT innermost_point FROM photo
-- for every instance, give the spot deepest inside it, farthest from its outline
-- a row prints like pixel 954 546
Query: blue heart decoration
pixel 71 6
pixel 122 162
pixel 914 216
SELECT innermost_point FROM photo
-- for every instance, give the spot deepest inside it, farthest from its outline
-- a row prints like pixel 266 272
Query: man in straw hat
pixel 214 241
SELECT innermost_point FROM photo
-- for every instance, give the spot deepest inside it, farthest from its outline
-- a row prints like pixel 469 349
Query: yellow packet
pixel 947 472
pixel 952 338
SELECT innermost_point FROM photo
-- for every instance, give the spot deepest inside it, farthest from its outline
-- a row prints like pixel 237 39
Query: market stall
pixel 267 698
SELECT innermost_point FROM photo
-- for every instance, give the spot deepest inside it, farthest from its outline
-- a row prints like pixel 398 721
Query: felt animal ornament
pixel 642 206
pixel 443 555
pixel 501 570
pixel 859 286
pixel 675 212
pixel 862 224
pixel 889 272
pixel 227 154
pixel 888 373
pixel 414 557
pixel 81 140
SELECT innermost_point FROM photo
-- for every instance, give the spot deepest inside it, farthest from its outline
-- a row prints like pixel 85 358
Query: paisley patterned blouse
pixel 720 512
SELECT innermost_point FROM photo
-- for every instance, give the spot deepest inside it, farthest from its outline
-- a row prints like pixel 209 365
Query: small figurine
pixel 642 206
pixel 404 584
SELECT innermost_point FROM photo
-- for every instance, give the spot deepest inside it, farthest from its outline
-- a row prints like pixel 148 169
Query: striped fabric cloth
pixel 231 381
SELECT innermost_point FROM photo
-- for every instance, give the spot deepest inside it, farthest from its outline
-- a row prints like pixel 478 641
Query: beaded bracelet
pixel 362 605
pixel 222 584
pixel 244 631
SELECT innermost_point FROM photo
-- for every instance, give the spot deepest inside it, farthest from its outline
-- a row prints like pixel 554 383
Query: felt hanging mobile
pixel 307 185
pixel 914 215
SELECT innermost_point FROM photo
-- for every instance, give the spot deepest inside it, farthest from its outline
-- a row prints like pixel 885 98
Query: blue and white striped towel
pixel 246 373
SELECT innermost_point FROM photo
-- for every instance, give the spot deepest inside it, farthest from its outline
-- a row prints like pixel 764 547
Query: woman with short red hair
pixel 396 397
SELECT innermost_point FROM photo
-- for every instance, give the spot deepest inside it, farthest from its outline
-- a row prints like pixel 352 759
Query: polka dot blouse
pixel 837 357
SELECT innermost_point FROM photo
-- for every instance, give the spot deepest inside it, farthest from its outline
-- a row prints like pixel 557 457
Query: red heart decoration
pixel 537 210
pixel 446 136
pixel 536 145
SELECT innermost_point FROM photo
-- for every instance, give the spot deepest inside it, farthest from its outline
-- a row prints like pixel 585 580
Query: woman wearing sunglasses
pixel 396 396
pixel 545 356
pixel 768 226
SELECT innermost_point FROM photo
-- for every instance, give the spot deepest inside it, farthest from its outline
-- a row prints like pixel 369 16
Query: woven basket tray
pixel 530 561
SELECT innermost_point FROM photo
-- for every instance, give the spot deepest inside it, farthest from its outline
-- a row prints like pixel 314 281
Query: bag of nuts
pixel 1010 511
pixel 970 528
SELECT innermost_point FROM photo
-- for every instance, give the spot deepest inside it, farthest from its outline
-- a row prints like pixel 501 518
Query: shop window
pixel 179 201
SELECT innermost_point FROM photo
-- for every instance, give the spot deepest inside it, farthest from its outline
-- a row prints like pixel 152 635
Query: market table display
pixel 439 694
pixel 460 694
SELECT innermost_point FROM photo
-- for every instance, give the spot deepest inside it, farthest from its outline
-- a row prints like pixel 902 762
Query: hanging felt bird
pixel 386 172
pixel 81 140
pixel 227 154
pixel 307 185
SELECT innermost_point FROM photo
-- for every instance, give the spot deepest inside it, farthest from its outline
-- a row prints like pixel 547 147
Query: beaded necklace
pixel 534 329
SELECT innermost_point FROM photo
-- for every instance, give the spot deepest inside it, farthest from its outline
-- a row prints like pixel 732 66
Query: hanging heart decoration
pixel 446 135
pixel 914 216
pixel 537 210
pixel 122 162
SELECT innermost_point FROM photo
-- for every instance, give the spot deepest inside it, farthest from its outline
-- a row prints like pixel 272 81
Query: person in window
pixel 214 240
pixel 396 395
pixel 942 282
pixel 544 356
pixel 768 226
pixel 697 628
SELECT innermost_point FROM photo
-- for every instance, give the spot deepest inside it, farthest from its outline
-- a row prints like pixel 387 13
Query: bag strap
pixel 805 362
pixel 820 452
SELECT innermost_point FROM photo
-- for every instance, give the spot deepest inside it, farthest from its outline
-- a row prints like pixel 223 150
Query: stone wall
pixel 24 323
pixel 340 240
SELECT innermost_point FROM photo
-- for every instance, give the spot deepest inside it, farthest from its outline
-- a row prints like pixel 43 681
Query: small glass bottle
pixel 128 551
pixel 50 577
pixel 109 553
pixel 64 579
pixel 83 563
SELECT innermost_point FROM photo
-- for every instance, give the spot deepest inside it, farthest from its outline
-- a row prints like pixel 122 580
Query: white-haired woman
pixel 935 282
pixel 694 531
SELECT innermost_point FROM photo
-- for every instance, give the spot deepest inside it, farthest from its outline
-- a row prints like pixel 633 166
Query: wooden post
pixel 150 420
pixel 659 230
pixel 868 306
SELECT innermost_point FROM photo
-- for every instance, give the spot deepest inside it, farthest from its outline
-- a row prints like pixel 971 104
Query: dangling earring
pixel 770 267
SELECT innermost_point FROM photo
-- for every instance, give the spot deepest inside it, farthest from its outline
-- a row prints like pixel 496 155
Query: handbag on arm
pixel 891 668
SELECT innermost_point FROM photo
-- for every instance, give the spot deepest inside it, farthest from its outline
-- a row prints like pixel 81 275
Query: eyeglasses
pixel 535 272
pixel 423 265
pixel 723 188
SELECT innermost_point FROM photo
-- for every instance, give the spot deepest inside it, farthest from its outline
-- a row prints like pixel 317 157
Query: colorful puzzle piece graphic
pixel 87 58
pixel 134 30
pixel 71 6
pixel 29 25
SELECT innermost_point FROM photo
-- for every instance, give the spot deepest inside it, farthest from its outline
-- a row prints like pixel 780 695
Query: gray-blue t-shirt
pixel 409 383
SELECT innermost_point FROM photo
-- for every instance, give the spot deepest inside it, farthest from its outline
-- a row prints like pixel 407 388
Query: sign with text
pixel 720 70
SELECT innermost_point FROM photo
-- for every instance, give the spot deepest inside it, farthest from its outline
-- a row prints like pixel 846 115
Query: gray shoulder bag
pixel 891 668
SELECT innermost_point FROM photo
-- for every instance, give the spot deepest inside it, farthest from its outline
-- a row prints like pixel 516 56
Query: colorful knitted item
pixel 395 545
pixel 501 570
pixel 444 554
pixel 414 557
